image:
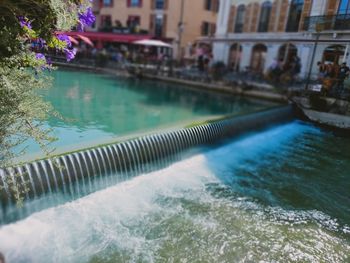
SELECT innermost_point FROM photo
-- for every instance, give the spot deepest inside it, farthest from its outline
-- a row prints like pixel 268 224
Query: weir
pixel 75 173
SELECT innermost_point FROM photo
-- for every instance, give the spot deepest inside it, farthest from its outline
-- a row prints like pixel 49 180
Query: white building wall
pixel 221 52
pixel 305 50
pixel 304 53
pixel 223 17
pixel 221 49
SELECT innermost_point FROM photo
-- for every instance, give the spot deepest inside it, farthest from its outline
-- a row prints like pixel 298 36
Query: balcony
pixel 327 23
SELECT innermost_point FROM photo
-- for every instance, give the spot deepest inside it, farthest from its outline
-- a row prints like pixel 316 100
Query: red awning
pixel 109 37
pixel 73 40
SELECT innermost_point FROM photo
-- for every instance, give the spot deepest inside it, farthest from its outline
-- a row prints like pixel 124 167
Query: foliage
pixel 28 31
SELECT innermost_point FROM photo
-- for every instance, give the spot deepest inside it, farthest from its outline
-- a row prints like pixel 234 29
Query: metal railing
pixel 321 23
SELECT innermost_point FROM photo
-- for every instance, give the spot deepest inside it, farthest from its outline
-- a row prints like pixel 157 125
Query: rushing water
pixel 99 108
pixel 281 195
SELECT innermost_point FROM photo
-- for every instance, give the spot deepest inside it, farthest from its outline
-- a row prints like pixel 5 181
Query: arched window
pixel 296 8
pixel 344 7
pixel 240 19
pixel 264 16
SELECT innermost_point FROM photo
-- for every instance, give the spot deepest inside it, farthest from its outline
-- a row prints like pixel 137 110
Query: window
pixel 134 3
pixel 296 8
pixel 208 29
pixel 106 21
pixel 240 19
pixel 133 21
pixel 158 25
pixel 264 17
pixel 344 7
pixel 217 6
pixel 159 4
pixel 342 20
pixel 107 2
pixel 205 28
pixel 208 4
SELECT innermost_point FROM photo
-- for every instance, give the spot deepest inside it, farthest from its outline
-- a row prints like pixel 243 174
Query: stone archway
pixel 286 54
pixel 334 54
pixel 258 58
pixel 235 56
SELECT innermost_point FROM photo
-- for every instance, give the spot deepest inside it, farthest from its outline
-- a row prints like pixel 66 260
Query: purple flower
pixel 39 56
pixel 48 61
pixel 86 19
pixel 41 42
pixel 23 21
pixel 70 53
pixel 65 38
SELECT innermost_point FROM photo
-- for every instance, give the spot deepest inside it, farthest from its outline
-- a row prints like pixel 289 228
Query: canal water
pixel 98 109
pixel 279 195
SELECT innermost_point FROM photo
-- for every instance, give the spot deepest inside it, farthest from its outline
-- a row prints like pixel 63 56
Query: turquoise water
pixel 99 108
pixel 280 195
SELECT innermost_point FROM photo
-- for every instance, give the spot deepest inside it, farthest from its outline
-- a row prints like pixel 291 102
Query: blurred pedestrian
pixel 342 75
pixel 321 70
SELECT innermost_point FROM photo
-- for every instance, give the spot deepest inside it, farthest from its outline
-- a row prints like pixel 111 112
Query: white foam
pixel 167 207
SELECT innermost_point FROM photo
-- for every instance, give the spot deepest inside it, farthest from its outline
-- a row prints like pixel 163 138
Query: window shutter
pixel 255 16
pixel 272 20
pixel 128 3
pixel 332 8
pixel 212 29
pixel 151 24
pixel 282 20
pixel 214 6
pixel 164 26
pixel 166 4
pixel 153 4
pixel 140 3
pixel 305 13
pixel 247 16
pixel 230 26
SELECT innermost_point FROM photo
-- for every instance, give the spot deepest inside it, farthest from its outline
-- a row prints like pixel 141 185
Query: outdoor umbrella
pixel 152 42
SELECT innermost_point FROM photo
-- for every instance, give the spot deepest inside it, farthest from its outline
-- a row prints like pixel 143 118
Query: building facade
pixel 255 33
pixel 177 21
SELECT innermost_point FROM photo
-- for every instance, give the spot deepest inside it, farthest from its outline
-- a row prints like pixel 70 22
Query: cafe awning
pixel 108 37
pixel 73 40
pixel 86 40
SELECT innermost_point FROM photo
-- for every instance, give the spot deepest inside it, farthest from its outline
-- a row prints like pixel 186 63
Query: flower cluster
pixel 62 42
pixel 64 38
pixel 24 22
pixel 69 51
pixel 86 19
